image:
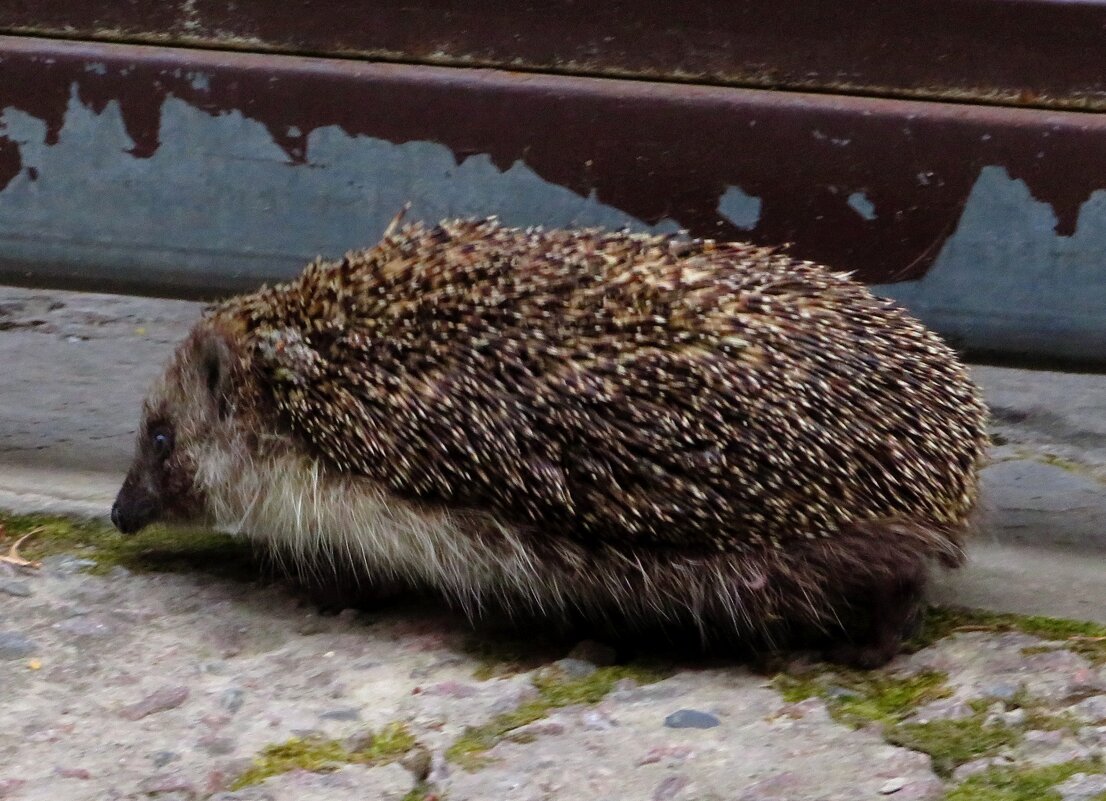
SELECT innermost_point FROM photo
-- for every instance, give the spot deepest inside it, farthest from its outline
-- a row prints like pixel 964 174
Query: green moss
pixel 554 690
pixel 420 792
pixel 387 745
pixel 1038 714
pixel 156 549
pixel 1061 462
pixel 951 743
pixel 1083 637
pixel 1019 784
pixel 318 755
pixel 857 698
pixel 310 754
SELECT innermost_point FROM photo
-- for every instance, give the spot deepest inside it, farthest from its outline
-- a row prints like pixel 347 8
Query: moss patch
pixel 1019 784
pixel 1083 637
pixel 951 743
pixel 1038 715
pixel 1059 461
pixel 857 698
pixel 554 691
pixel 156 549
pixel 420 792
pixel 318 755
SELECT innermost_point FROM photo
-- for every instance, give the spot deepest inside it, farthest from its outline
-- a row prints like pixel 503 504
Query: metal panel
pixel 191 172
pixel 1036 52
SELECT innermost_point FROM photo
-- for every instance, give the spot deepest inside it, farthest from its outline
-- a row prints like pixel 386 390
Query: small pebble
pixel 231 700
pixel 1083 787
pixel 74 773
pixel 65 565
pixel 451 689
pixel 418 762
pixel 575 668
pixel 15 646
pixel 597 720
pixel 341 714
pixel 1084 682
pixel 892 785
pixel 1003 691
pixel 668 787
pixel 158 701
pixel 168 783
pixel 20 589
pixel 163 758
pixel 10 786
pixel 216 746
pixel 690 719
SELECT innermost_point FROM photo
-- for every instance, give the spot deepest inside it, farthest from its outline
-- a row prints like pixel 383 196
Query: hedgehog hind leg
pixel 893 607
pixel 883 603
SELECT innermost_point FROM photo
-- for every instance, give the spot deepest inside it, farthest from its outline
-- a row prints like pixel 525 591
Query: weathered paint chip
pixel 740 208
pixel 996 285
pixel 859 202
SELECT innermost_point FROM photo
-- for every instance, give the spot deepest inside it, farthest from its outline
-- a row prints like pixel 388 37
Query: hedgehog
pixel 715 436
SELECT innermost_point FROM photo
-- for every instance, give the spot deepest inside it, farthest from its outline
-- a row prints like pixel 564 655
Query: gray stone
pixel 575 668
pixel 93 627
pixel 164 784
pixel 1082 787
pixel 977 766
pixel 1014 718
pixel 1003 691
pixel 690 719
pixel 347 713
pixel 941 709
pixel 232 699
pixel 669 787
pixel 216 746
pixel 66 564
pixel 161 700
pixel 15 646
pixel 418 762
pixel 19 589
pixel 163 758
pixel 892 785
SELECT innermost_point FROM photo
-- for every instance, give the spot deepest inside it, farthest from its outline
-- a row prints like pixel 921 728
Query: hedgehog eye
pixel 162 441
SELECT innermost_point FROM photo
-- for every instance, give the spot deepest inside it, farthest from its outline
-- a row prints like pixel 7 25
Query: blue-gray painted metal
pixel 220 199
pixel 1006 282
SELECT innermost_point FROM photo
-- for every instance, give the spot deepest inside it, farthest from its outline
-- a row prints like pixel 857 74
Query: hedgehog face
pixel 187 418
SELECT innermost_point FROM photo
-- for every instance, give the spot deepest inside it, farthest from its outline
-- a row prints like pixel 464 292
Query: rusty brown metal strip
pixel 1028 52
pixel 655 151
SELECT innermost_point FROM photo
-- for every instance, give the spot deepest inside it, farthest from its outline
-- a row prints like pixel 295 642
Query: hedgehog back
pixel 619 389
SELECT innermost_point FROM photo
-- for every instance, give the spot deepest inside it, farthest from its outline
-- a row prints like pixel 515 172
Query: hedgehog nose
pixel 129 517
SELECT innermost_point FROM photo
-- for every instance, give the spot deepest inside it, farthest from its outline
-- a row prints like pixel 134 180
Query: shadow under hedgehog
pixel 711 436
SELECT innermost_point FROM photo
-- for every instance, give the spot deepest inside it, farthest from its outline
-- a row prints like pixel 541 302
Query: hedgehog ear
pixel 215 362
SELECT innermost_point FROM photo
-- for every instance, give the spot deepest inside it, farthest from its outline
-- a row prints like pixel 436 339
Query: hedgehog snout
pixel 135 507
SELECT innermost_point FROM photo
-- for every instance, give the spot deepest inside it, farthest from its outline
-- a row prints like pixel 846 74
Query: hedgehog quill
pixel 710 435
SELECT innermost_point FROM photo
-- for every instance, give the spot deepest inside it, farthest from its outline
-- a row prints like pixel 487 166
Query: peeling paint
pixel 218 195
pixel 742 209
pixel 1005 281
pixel 859 202
pixel 195 169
